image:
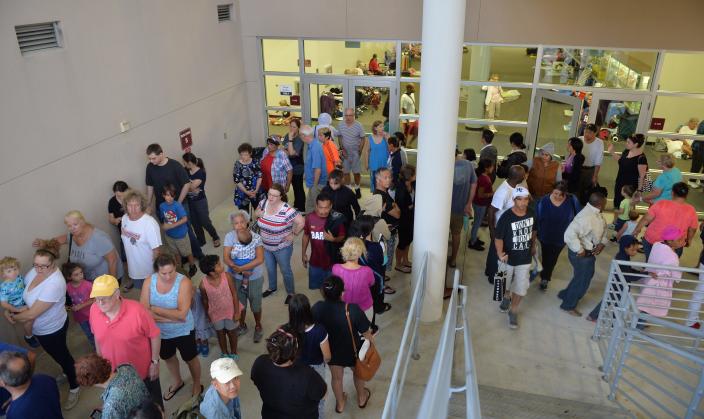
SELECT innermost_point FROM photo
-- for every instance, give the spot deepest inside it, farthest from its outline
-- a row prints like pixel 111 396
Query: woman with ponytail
pixel 200 215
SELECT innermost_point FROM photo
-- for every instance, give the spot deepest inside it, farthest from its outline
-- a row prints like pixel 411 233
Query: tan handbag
pixel 363 369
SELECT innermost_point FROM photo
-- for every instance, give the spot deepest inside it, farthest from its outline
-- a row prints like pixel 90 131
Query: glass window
pixel 278 121
pixel 326 98
pixel 599 68
pixel 350 57
pixel 410 59
pixel 282 91
pixel 508 104
pixel 280 55
pixel 677 112
pixel 370 105
pixel 681 72
pixel 510 64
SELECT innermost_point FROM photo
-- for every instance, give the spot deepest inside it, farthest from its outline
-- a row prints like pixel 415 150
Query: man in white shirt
pixel 502 201
pixel 593 157
pixel 585 238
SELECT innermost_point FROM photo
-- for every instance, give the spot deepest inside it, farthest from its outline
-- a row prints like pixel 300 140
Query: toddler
pixel 78 289
pixel 11 291
pixel 629 226
pixel 204 330
pixel 221 303
pixel 175 224
pixel 247 239
pixel 621 213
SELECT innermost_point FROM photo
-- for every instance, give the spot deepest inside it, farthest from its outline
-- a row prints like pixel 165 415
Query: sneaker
pixel 268 292
pixel 72 399
pixel 512 320
pixel 288 299
pixel 32 341
pixel 544 284
pixel 61 378
pixel 694 185
pixel 476 246
pixel 242 330
pixel 696 325
pixel 258 334
pixel 358 193
pixel 192 271
pixel 480 241
pixel 505 304
pixel 233 357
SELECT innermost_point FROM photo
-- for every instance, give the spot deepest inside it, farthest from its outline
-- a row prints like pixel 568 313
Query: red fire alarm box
pixel 657 124
pixel 295 100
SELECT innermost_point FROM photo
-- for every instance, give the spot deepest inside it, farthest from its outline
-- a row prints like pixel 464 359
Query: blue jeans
pixel 85 326
pixel 201 220
pixel 316 276
pixel 282 257
pixel 195 246
pixel 479 212
pixel 583 267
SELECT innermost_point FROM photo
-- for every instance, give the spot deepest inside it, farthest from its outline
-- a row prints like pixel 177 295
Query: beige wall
pixel 599 23
pixel 163 65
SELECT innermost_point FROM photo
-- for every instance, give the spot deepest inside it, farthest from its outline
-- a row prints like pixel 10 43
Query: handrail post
pixel 696 397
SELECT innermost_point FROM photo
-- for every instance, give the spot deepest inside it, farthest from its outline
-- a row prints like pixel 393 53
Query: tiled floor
pixel 550 355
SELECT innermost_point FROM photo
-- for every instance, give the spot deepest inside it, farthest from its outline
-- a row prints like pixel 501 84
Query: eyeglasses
pixel 349 114
pixel 271 195
pixel 38 266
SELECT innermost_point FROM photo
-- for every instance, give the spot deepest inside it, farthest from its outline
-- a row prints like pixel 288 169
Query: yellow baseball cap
pixel 104 286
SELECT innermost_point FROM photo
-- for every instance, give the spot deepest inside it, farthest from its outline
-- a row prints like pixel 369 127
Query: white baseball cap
pixel 224 370
pixel 520 192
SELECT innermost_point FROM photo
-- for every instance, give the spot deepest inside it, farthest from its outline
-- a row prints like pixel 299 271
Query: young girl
pixel 621 213
pixel 357 279
pixel 375 257
pixel 481 201
pixel 11 291
pixel 314 347
pixel 629 226
pixel 79 290
pixel 221 303
pixel 203 328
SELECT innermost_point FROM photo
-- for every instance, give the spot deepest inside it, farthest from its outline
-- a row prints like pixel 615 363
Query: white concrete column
pixel 443 33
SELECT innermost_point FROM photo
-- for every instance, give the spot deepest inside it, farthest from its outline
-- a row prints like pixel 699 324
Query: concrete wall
pixel 163 65
pixel 601 23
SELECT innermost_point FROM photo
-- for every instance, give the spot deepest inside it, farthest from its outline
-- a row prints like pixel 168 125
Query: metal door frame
pixel 534 121
pixel 644 98
pixel 385 84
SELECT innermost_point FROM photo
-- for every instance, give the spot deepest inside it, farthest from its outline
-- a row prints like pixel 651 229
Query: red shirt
pixel 670 213
pixel 483 182
pixel 80 295
pixel 127 338
pixel 315 229
pixel 266 171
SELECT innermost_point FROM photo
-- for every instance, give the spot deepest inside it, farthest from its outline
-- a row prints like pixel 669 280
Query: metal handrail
pixel 438 389
pixel 406 351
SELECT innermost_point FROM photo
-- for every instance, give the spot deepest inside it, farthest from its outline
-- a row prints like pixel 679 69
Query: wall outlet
pixel 124 126
pixel 224 136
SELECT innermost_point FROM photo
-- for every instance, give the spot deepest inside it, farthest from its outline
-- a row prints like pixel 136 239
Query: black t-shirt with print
pixel 516 232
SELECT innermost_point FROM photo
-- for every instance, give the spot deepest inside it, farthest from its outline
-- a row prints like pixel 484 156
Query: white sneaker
pixel 72 399
pixel 695 185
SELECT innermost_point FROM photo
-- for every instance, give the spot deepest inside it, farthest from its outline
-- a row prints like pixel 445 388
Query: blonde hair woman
pixel 358 279
pixel 89 247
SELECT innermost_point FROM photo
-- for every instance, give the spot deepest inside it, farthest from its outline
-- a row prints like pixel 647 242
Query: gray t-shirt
pixel 92 255
pixel 351 135
pixel 462 180
pixel 593 153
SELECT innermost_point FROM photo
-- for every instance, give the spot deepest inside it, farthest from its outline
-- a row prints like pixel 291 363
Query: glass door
pixel 324 95
pixel 554 120
pixel 372 101
pixel 618 115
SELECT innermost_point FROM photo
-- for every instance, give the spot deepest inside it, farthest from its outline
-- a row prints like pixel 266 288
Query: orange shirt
pixel 127 338
pixel 332 155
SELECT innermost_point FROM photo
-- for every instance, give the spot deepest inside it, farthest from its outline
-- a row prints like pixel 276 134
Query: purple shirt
pixel 357 283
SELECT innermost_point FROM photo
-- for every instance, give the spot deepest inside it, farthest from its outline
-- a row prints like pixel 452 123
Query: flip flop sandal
pixel 369 396
pixel 216 243
pixel 388 290
pixel 404 269
pixel 172 392
pixel 386 308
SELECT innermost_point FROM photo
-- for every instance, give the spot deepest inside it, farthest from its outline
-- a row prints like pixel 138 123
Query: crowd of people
pixel 349 245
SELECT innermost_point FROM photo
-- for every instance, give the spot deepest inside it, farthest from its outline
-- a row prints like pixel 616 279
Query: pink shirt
pixel 79 295
pixel 670 213
pixel 127 338
pixel 357 283
pixel 656 301
pixel 220 305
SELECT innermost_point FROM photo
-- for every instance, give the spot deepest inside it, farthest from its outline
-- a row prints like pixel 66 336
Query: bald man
pixel 352 139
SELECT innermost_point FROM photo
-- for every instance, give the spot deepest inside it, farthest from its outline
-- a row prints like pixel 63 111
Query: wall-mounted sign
pixel 295 100
pixel 657 124
pixel 186 140
pixel 285 89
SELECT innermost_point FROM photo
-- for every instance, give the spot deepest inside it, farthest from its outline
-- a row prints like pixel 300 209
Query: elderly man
pixel 352 139
pixel 125 333
pixel 316 175
pixel 585 237
pixel 32 396
pixel 222 400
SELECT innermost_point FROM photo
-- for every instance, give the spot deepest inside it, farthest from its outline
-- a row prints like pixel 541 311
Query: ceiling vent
pixel 224 12
pixel 38 36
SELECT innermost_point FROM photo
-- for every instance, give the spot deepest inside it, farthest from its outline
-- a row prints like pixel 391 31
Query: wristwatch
pixel 155 361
